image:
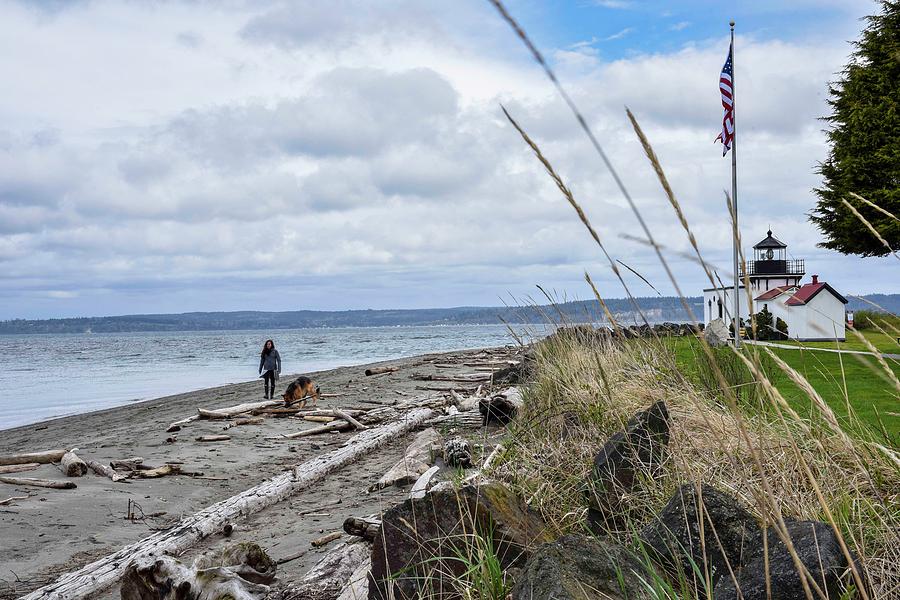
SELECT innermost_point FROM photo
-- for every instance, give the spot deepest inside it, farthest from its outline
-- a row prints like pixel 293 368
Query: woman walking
pixel 269 367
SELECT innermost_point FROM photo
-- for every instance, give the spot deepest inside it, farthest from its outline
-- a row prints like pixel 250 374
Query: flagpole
pixel 734 201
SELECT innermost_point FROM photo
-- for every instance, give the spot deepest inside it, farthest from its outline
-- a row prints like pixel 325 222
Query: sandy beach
pixel 52 532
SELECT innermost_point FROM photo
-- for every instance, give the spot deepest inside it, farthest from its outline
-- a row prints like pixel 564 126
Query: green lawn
pixel 884 343
pixel 873 399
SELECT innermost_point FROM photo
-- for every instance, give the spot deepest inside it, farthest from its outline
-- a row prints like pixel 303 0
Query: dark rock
pixel 817 547
pixel 639 450
pixel 577 567
pixel 673 538
pixel 420 538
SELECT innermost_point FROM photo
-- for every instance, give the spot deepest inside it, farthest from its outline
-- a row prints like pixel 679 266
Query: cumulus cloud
pixel 292 155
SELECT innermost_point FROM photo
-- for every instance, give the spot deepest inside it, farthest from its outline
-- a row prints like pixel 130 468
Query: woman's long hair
pixel 266 350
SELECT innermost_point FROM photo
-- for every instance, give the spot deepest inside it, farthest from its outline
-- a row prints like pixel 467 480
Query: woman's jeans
pixel 269 382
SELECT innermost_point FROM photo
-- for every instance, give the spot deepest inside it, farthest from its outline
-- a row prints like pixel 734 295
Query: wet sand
pixel 57 531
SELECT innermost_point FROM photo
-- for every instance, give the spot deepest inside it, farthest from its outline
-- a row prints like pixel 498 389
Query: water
pixel 45 376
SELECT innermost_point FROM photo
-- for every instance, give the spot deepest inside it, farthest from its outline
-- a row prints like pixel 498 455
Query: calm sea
pixel 45 376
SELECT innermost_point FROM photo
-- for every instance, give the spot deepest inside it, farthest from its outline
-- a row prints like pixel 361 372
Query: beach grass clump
pixel 780 464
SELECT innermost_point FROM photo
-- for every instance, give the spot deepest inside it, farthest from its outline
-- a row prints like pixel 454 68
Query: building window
pixel 720 308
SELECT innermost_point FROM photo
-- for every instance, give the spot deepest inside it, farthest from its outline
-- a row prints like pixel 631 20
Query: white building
pixel 812 311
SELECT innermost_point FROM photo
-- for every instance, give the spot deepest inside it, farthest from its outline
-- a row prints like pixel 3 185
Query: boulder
pixel 818 549
pixel 417 551
pixel 416 460
pixel 639 449
pixel 673 538
pixel 578 567
pixel 716 333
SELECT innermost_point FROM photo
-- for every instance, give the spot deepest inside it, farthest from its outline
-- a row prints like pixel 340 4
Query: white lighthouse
pixel 812 311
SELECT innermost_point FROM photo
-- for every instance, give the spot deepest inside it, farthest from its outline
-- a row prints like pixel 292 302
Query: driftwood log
pixel 19 468
pixel 102 573
pixel 239 422
pixel 327 578
pixel 318 419
pixel 416 460
pixel 223 413
pixel 73 466
pixel 48 456
pixel 501 408
pixel 357 588
pixel 346 416
pixel 333 426
pixel 325 539
pixel 158 471
pixel 364 527
pixel 44 483
pixel 380 370
pixel 129 464
pixel 239 572
pixel 213 438
pixel 106 471
pixel 12 499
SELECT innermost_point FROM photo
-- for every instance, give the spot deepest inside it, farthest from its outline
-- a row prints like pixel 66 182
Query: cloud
pixel 679 26
pixel 619 34
pixel 248 157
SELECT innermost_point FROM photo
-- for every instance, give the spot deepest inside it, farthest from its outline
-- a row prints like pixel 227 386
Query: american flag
pixel 727 135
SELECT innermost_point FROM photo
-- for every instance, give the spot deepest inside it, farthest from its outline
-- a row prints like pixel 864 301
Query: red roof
pixel 808 292
pixel 774 292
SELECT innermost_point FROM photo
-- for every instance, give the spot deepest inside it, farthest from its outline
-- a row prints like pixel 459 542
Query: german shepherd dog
pixel 299 389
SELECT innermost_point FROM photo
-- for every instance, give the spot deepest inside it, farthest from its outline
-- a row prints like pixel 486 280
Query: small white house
pixel 812 311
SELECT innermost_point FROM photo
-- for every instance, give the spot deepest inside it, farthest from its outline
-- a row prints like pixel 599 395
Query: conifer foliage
pixel 865 142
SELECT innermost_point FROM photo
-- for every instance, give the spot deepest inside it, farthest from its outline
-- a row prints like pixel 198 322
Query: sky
pixel 178 156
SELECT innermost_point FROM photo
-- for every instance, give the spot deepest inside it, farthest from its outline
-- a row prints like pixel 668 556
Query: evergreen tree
pixel 865 142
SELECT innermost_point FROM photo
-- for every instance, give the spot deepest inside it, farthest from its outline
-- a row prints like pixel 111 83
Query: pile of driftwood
pixel 71 465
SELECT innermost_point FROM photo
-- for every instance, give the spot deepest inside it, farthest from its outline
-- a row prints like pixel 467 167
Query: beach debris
pixel 129 464
pixel 346 416
pixel 458 452
pixel 12 499
pixel 19 468
pixel 212 438
pixel 105 571
pixel 34 482
pixel 106 471
pixel 167 469
pixel 501 408
pixel 364 527
pixel 318 418
pixel 166 578
pixel 45 457
pixel 222 413
pixel 72 466
pixel 416 460
pixel 325 539
pixel 380 370
pixel 464 378
pixel 227 529
pixel 239 422
pixel 339 425
pixel 328 577
pixel 420 487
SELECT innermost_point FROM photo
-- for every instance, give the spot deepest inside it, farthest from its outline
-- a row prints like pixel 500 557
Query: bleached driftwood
pixel 415 461
pixel 318 419
pixel 44 483
pixel 364 527
pixel 158 471
pixel 213 438
pixel 464 378
pixel 12 499
pixel 223 413
pixel 220 577
pixel 102 573
pixel 128 464
pixel 106 471
pixel 19 468
pixel 339 425
pixel 357 588
pixel 379 370
pixel 72 466
pixel 240 422
pixel 48 456
pixel 325 539
pixel 346 416
pixel 420 487
pixel 327 578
